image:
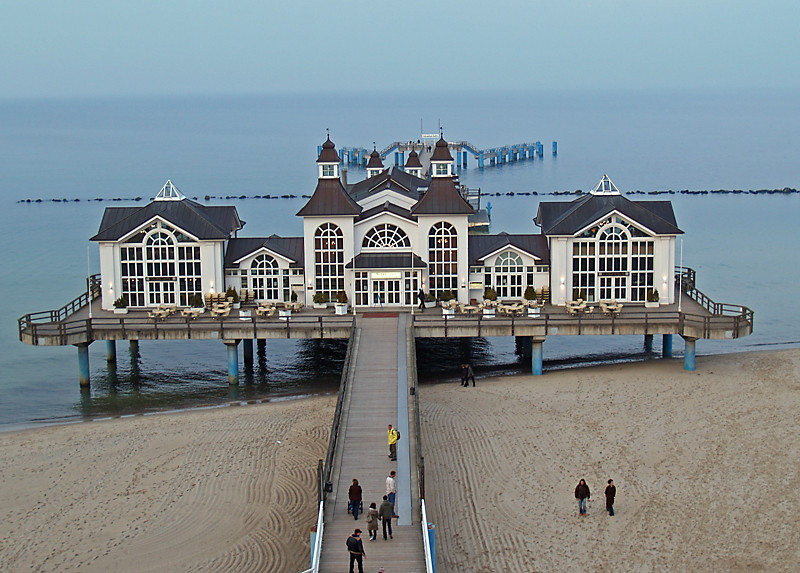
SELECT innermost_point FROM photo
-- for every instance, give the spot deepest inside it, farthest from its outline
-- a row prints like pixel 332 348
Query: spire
pixel 375 165
pixel 605 187
pixel 413 165
pixel 328 161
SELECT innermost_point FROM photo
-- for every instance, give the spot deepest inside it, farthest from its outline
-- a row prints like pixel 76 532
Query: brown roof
pixel 329 198
pixel 442 198
pixel 328 153
pixel 375 160
pixel 441 153
pixel 413 159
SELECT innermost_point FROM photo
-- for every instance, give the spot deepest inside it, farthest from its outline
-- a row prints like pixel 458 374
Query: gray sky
pixel 109 47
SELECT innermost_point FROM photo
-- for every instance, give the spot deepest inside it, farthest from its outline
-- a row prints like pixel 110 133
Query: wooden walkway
pixel 377 396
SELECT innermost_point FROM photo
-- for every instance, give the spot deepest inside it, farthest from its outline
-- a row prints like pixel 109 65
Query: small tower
pixel 413 165
pixel 169 193
pixel 375 165
pixel 441 160
pixel 328 161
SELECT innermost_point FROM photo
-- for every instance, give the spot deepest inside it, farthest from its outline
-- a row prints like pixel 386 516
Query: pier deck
pixel 377 396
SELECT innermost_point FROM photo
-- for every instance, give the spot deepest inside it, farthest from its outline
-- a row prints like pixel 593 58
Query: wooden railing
pixel 29 321
pixel 686 281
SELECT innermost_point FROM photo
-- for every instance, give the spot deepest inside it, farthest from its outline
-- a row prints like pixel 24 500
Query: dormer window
pixel 442 169
pixel 328 171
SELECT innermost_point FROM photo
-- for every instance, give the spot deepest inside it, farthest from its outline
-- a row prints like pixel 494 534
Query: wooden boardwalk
pixel 377 396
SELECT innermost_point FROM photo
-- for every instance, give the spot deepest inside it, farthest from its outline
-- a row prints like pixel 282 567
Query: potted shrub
pixel 196 301
pixel 430 300
pixel 321 300
pixel 121 305
pixel 530 293
pixel 489 301
pixel 341 303
pixel 232 296
pixel 293 298
pixel 652 299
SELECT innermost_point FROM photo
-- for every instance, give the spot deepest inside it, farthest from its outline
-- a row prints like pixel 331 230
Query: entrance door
pixel 161 292
pixel 386 291
pixel 614 287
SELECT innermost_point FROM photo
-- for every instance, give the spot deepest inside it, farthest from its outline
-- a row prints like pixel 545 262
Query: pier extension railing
pixel 686 281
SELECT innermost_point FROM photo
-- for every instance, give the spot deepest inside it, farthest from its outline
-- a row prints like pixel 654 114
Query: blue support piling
pixel 83 364
pixel 396 158
pixel 432 543
pixel 402 158
pixel 111 350
pixel 666 346
pixel 247 351
pixel 688 354
pixel 555 149
pixel 464 159
pixel 648 342
pixel 480 160
pixel 536 357
pixel 233 362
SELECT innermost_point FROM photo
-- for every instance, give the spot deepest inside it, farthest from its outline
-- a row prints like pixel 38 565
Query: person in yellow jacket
pixel 393 436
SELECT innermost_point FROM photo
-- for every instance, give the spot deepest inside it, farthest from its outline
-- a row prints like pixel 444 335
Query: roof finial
pixel 374 147
pixel 328 132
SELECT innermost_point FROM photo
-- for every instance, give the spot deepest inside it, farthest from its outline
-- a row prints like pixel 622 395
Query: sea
pixel 63 161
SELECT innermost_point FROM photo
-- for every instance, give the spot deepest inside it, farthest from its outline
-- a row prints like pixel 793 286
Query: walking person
pixel 356 548
pixel 470 376
pixel 582 494
pixel 421 299
pixel 355 498
pixel 386 510
pixel 372 521
pixel 611 492
pixel 464 371
pixel 393 436
pixel 391 490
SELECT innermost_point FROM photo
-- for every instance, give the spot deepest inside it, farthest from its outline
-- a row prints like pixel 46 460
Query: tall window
pixel 189 276
pixel 362 288
pixel 508 275
pixel 442 258
pixel 132 260
pixel 264 275
pixel 386 236
pixel 584 269
pixel 642 261
pixel 329 259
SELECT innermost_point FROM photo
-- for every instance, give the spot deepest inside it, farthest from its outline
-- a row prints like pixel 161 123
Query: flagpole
pixel 680 283
pixel 89 278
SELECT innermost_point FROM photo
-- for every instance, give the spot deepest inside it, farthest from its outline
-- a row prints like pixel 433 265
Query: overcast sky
pixel 110 47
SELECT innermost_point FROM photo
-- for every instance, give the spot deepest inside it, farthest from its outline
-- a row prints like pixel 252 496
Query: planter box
pixel 649 304
pixel 488 312
pixel 448 312
pixel 245 315
pixel 237 305
pixel 534 312
pixel 284 314
pixel 321 305
pixel 120 311
pixel 340 309
pixel 430 303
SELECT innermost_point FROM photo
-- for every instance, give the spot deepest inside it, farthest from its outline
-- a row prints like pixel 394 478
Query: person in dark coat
pixel 386 510
pixel 582 494
pixel 470 376
pixel 356 548
pixel 464 374
pixel 421 299
pixel 355 498
pixel 611 492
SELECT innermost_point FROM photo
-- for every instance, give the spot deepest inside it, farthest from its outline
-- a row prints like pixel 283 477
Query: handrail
pixel 317 549
pixel 429 565
pixel 420 459
pixel 686 280
pixel 48 316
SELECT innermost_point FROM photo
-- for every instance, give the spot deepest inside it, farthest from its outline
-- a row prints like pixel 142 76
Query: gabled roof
pixel 288 247
pixel 442 198
pixel 201 221
pixel 393 179
pixel 387 207
pixel 481 246
pixel 386 261
pixel 329 198
pixel 570 217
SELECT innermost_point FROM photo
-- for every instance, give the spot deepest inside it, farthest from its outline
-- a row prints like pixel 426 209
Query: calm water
pixel 744 247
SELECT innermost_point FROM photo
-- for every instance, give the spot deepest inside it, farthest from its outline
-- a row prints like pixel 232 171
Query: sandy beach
pixel 704 463
pixel 226 489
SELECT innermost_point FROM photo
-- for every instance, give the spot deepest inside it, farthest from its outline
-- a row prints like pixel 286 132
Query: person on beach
pixel 421 299
pixel 355 498
pixel 356 548
pixel 386 510
pixel 611 492
pixel 464 371
pixel 372 521
pixel 393 436
pixel 582 495
pixel 391 490
pixel 470 376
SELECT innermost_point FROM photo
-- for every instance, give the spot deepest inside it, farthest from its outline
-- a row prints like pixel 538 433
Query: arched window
pixel 508 275
pixel 159 261
pixel 264 277
pixel 386 236
pixel 329 259
pixel 442 258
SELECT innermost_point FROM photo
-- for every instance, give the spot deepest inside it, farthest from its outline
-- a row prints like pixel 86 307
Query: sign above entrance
pixel 386 275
